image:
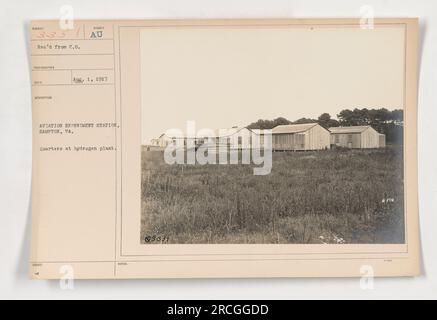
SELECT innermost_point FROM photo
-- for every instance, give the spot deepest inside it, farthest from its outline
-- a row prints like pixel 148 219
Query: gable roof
pixel 351 129
pixel 293 128
pixel 230 131
pixel 261 131
pixel 217 133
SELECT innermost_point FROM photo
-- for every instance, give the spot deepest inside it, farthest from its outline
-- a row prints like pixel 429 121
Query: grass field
pixel 334 196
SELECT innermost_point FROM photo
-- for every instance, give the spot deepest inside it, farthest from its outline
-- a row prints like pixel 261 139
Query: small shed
pixel 381 140
pixel 357 137
pixel 300 137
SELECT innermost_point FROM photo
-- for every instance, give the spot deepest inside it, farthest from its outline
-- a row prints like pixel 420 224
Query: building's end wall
pixel 317 138
pixel 346 140
pixel 369 139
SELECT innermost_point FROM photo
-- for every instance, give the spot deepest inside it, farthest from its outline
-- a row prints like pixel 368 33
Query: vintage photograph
pixel 300 142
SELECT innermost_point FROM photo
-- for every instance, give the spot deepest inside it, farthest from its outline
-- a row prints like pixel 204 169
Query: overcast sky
pixel 222 77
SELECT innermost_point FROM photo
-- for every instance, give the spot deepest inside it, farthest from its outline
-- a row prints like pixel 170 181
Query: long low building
pixel 233 138
pixel 357 137
pixel 300 137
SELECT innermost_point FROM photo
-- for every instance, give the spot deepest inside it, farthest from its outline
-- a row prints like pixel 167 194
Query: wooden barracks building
pixel 357 137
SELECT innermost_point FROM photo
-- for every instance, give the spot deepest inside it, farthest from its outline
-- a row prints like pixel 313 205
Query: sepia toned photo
pixel 303 146
pixel 225 148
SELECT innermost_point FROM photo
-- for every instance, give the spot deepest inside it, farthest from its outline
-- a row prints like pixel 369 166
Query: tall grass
pixel 335 196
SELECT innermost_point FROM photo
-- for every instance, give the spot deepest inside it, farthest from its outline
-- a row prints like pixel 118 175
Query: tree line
pixel 384 121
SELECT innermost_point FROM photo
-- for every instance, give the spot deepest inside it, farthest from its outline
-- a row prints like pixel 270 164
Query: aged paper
pixel 224 148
